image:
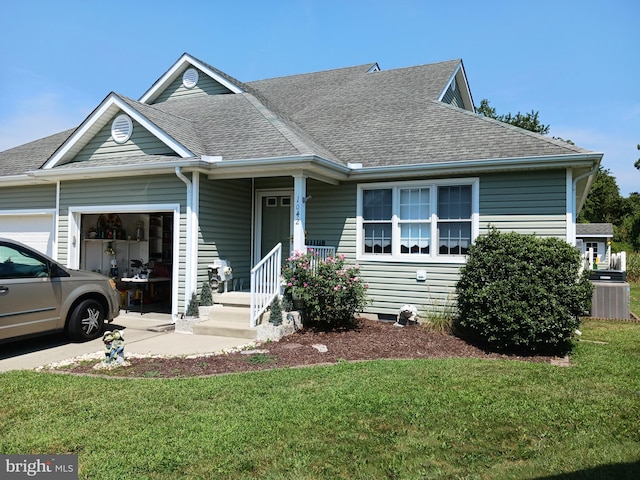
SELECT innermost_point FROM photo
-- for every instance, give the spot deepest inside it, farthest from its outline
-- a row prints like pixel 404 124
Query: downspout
pixel 574 203
pixel 188 283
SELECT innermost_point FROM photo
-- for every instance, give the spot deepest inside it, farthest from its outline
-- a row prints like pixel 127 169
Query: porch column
pixel 299 214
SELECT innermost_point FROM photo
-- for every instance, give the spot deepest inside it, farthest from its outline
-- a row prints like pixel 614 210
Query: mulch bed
pixel 371 340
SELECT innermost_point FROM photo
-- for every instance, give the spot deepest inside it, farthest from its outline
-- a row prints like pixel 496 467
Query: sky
pixel 576 62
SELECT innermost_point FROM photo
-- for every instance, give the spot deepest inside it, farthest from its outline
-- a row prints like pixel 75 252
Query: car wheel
pixel 86 321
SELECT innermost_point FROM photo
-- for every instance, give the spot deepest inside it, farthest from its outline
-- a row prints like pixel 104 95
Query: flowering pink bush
pixel 332 292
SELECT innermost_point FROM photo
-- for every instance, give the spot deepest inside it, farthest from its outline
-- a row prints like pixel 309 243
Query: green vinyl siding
pixel 531 203
pixel 225 227
pixel 205 86
pixel 273 183
pixel 331 216
pixel 392 285
pixel 452 96
pixel 125 191
pixel 142 142
pixel 30 197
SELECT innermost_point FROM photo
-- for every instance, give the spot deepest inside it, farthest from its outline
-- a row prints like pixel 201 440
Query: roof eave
pixel 477 166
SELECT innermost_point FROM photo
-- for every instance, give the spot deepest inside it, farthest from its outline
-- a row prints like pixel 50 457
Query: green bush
pixel 521 292
pixel 192 306
pixel 206 295
pixel 331 291
pixel 633 267
pixel 275 311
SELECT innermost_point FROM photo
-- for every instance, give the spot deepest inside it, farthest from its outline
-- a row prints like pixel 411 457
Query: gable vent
pixel 121 129
pixel 190 78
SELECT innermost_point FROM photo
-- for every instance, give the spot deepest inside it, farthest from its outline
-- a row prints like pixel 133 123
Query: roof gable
pixel 171 81
pixel 106 112
pixel 458 88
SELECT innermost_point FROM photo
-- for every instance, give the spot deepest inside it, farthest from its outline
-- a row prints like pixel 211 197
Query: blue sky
pixel 576 62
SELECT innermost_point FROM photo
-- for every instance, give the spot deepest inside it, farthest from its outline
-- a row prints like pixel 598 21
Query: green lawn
pixel 418 419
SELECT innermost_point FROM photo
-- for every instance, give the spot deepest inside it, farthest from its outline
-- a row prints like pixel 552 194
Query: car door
pixel 29 300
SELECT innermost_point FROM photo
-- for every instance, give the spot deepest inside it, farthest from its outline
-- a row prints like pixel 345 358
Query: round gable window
pixel 190 78
pixel 121 128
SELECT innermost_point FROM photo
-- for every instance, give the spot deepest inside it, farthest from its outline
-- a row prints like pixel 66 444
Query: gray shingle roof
pixel 347 115
pixel 594 229
pixel 30 156
pixel 393 118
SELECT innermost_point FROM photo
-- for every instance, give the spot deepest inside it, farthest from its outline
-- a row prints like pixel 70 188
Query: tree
pixel 529 121
pixel 603 204
pixel 637 164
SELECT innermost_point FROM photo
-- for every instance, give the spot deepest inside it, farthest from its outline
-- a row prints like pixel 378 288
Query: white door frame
pixel 74 236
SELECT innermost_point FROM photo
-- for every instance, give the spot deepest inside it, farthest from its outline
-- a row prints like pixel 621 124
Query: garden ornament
pixel 113 347
pixel 408 315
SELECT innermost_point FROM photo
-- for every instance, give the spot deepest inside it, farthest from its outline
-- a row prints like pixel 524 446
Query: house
pixel 596 237
pixel 391 168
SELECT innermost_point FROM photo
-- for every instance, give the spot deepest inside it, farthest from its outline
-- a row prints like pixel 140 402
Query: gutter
pixel 467 166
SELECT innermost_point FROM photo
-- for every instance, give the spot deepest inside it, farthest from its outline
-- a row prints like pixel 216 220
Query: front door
pixel 275 222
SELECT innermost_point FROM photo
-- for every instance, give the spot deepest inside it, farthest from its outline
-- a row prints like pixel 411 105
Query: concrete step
pixel 237 299
pixel 227 321
pixel 219 328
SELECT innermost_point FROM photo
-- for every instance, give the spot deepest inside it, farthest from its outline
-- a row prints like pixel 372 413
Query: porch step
pixel 229 319
pixel 230 299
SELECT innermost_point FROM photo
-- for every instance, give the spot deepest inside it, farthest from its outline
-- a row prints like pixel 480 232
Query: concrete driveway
pixel 148 334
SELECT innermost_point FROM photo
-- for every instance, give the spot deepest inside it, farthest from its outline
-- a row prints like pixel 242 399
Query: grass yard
pixel 471 419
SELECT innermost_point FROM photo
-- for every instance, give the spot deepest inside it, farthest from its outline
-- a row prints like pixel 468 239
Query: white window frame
pixel 433 256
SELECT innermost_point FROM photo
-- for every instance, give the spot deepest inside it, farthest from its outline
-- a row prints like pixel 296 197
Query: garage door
pixel 33 230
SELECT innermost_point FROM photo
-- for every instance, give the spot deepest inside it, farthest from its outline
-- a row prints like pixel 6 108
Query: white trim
pixel 175 70
pixel 570 218
pixel 76 212
pixel 433 256
pixel 109 108
pixel 259 195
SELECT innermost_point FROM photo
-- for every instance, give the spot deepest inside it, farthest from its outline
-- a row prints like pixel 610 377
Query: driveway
pixel 149 334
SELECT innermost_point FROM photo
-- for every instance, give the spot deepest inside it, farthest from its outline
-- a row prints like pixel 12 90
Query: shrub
pixel 192 306
pixel 275 311
pixel 206 295
pixel 522 292
pixel 633 267
pixel 332 292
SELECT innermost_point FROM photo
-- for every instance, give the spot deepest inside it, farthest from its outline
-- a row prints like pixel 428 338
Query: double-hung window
pixel 411 221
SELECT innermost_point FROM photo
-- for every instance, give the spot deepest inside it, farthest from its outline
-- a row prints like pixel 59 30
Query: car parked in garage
pixel 40 296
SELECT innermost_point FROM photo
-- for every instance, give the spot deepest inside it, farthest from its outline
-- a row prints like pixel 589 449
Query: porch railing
pixel 322 252
pixel 619 261
pixel 265 282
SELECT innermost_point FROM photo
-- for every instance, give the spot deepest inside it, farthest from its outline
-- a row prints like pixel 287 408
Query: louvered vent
pixel 190 78
pixel 121 128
